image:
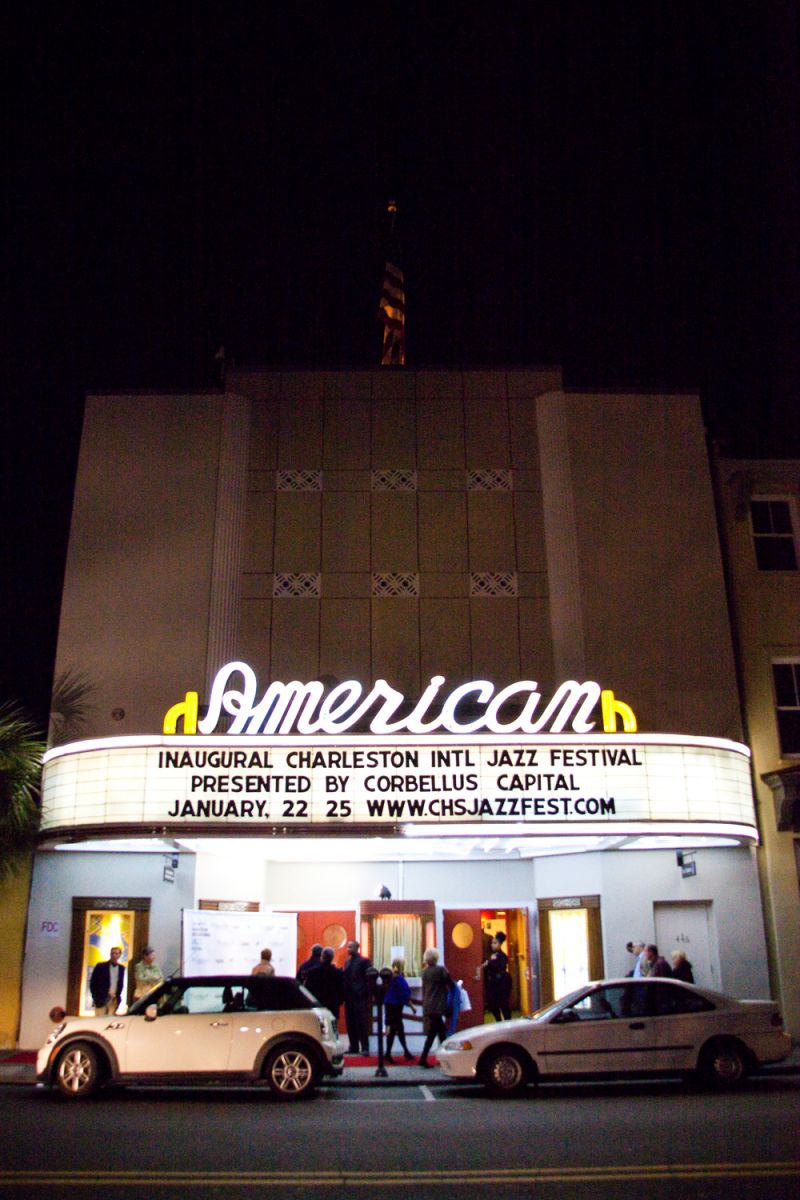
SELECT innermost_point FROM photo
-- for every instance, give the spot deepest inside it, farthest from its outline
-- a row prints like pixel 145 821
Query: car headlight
pixel 56 1034
pixel 458 1044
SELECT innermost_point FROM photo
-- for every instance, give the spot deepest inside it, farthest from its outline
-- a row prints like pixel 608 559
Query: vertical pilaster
pixel 223 608
pixel 561 537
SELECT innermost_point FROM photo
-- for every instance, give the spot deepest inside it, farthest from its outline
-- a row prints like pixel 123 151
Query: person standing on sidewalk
pixel 436 984
pixel 398 994
pixel 356 999
pixel 106 984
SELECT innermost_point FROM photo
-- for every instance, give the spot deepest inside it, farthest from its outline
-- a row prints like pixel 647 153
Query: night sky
pixel 608 187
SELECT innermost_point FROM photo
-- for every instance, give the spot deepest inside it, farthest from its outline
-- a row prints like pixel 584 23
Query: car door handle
pixel 637 1025
pixel 218 1024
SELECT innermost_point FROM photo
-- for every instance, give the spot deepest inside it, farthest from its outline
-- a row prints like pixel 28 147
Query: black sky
pixel 608 187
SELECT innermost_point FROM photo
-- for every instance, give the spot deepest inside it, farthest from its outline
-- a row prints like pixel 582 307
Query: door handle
pixel 218 1024
pixel 637 1025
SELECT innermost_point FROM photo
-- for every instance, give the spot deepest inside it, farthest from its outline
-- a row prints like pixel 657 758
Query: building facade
pixel 760 521
pixel 503 612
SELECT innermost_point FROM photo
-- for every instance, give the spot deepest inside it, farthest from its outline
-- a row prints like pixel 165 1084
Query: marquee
pixel 536 784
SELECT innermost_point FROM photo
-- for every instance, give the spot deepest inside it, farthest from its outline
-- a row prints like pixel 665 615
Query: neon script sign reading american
pixel 306 709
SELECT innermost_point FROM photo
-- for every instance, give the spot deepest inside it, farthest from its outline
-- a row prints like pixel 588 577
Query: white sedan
pixel 620 1027
pixel 216 1029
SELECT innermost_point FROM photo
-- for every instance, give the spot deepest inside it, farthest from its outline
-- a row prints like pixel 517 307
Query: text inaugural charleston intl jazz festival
pixel 399 783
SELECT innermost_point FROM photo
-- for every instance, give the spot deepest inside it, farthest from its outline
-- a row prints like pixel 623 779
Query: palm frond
pixel 70 707
pixel 21 750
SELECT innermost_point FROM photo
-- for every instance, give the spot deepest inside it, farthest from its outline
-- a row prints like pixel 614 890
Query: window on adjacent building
pixel 786 679
pixel 774 534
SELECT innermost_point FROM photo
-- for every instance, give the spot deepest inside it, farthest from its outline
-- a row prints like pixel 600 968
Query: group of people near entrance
pixel 333 986
pixel 648 962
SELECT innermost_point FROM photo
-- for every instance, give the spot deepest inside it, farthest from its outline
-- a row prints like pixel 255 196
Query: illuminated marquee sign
pixel 304 707
pixel 598 783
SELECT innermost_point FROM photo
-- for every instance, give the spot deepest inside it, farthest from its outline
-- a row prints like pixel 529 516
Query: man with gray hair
pixel 436 983
pixel 642 965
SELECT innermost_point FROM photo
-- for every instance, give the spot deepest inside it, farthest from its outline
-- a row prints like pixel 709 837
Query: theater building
pixel 410 656
pixel 760 521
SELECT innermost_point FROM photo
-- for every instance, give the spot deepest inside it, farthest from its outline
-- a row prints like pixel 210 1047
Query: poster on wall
pixel 230 943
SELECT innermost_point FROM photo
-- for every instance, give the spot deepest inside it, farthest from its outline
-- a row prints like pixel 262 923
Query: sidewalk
pixel 19 1066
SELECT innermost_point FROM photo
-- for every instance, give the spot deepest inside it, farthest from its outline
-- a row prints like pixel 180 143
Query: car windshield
pixel 549 1010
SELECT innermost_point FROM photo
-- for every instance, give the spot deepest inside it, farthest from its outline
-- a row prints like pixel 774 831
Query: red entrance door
pixel 463 955
pixel 329 929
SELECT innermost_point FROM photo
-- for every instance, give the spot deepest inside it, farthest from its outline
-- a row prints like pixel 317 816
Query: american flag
pixel 392 311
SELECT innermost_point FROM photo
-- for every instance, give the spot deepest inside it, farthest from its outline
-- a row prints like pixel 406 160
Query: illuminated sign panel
pixel 535 784
pixel 304 708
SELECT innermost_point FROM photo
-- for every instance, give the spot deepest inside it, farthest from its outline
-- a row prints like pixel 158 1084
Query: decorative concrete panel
pixel 524 438
pixel 529 531
pixel 347 433
pixel 345 531
pixel 263 449
pixel 300 434
pixel 440 431
pixel 491 531
pixel 345 639
pixel 395 643
pixel 295 639
pixel 254 634
pixel 495 639
pixel 443 531
pixel 536 643
pixel 259 531
pixel 394 531
pixel 297 531
pixel 487 435
pixel 394 431
pixel 445 639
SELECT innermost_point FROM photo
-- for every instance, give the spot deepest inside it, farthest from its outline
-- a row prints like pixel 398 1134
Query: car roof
pixel 258 980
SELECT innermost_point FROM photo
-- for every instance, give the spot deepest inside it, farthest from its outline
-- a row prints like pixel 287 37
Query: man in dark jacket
pixel 310 963
pixel 106 983
pixel 356 999
pixel 325 982
pixel 659 967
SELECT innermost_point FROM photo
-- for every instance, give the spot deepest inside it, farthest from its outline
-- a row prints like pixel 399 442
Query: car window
pixel 602 1004
pixel 199 998
pixel 275 994
pixel 668 999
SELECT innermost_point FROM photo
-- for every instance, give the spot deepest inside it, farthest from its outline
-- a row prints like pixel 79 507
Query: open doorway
pixel 468 933
pixel 570 944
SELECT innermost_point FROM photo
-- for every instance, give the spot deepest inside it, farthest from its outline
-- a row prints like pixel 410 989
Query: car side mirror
pixel 151 1012
pixel 566 1016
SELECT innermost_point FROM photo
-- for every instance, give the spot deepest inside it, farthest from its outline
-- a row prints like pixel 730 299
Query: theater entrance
pixel 468 934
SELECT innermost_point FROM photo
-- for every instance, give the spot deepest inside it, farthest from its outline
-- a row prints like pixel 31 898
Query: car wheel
pixel 290 1072
pixel 505 1072
pixel 78 1071
pixel 723 1064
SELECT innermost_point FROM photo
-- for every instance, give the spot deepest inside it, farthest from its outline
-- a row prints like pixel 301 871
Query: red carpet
pixel 371 1060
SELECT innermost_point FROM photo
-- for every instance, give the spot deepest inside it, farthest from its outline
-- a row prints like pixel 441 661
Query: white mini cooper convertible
pixel 622 1027
pixel 232 1029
